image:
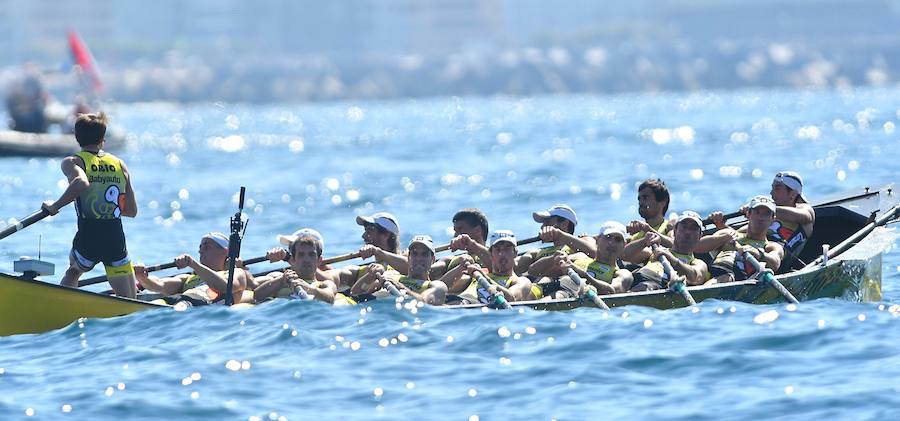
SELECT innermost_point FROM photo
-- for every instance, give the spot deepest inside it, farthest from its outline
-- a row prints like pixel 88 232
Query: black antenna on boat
pixel 234 245
pixel 40 238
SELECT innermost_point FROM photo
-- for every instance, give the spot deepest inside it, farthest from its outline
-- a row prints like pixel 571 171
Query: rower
pixel 603 272
pixel 417 282
pixel 470 230
pixel 100 186
pixel 207 283
pixel 794 217
pixel 653 203
pixel 729 245
pixel 688 229
pixel 306 248
pixel 504 280
pixel 280 254
pixel 557 227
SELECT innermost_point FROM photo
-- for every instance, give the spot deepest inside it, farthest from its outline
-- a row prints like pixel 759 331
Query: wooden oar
pixel 30 219
pixel 155 268
pixel 867 193
pixel 588 293
pixel 499 299
pixel 328 261
pixel 529 240
pixel 677 286
pixel 768 277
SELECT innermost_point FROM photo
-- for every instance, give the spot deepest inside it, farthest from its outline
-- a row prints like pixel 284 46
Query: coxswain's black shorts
pixel 101 241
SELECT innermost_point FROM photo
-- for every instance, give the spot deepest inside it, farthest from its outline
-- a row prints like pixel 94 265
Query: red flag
pixel 83 58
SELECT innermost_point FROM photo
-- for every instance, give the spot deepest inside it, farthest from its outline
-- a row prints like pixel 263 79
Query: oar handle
pixel 677 285
pixel 300 293
pixel 727 216
pixel 392 289
pixel 867 193
pixel 769 278
pixel 589 293
pixel 341 258
pixel 24 223
pixel 499 299
pixel 159 267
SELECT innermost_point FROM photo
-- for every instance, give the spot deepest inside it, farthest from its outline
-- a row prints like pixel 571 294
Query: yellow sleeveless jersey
pixel 105 196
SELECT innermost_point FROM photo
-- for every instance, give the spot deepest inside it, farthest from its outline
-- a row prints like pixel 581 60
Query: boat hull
pixel 32 306
pixel 852 280
pixel 13 143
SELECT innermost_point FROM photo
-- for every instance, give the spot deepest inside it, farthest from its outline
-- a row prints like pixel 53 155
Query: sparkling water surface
pixel 320 165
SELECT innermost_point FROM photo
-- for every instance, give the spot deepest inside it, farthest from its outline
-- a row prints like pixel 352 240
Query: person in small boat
pixel 688 229
pixel 100 186
pixel 26 102
pixel 464 285
pixel 470 230
pixel 209 280
pixel 603 272
pixel 417 283
pixel 306 248
pixel 729 245
pixel 653 203
pixel 557 227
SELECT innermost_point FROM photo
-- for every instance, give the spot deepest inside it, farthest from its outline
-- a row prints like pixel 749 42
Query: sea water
pixel 319 165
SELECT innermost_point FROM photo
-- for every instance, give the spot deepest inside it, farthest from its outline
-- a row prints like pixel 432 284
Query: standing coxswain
pixel 100 186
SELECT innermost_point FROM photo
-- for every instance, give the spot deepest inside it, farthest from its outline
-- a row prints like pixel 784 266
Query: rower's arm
pixel 396 261
pixel 622 281
pixel 588 245
pixel 366 284
pixel 78 183
pixel 635 251
pixel 774 254
pixel 694 273
pixel 481 252
pixel 545 266
pixel 270 288
pixel 323 291
pixel 165 286
pixel 130 208
pixel 454 279
pixel 714 241
pixel 439 268
pixel 523 263
pixel 801 214
pixel 216 281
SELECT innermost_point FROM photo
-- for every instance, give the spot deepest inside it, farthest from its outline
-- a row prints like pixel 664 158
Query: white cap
pixel 613 227
pixel 424 240
pixel 690 216
pixel 499 236
pixel 793 181
pixel 562 211
pixel 302 232
pixel 760 200
pixel 218 238
pixel 383 220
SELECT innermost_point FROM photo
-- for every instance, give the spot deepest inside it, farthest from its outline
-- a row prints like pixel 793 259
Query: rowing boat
pixel 28 306
pixel 851 272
